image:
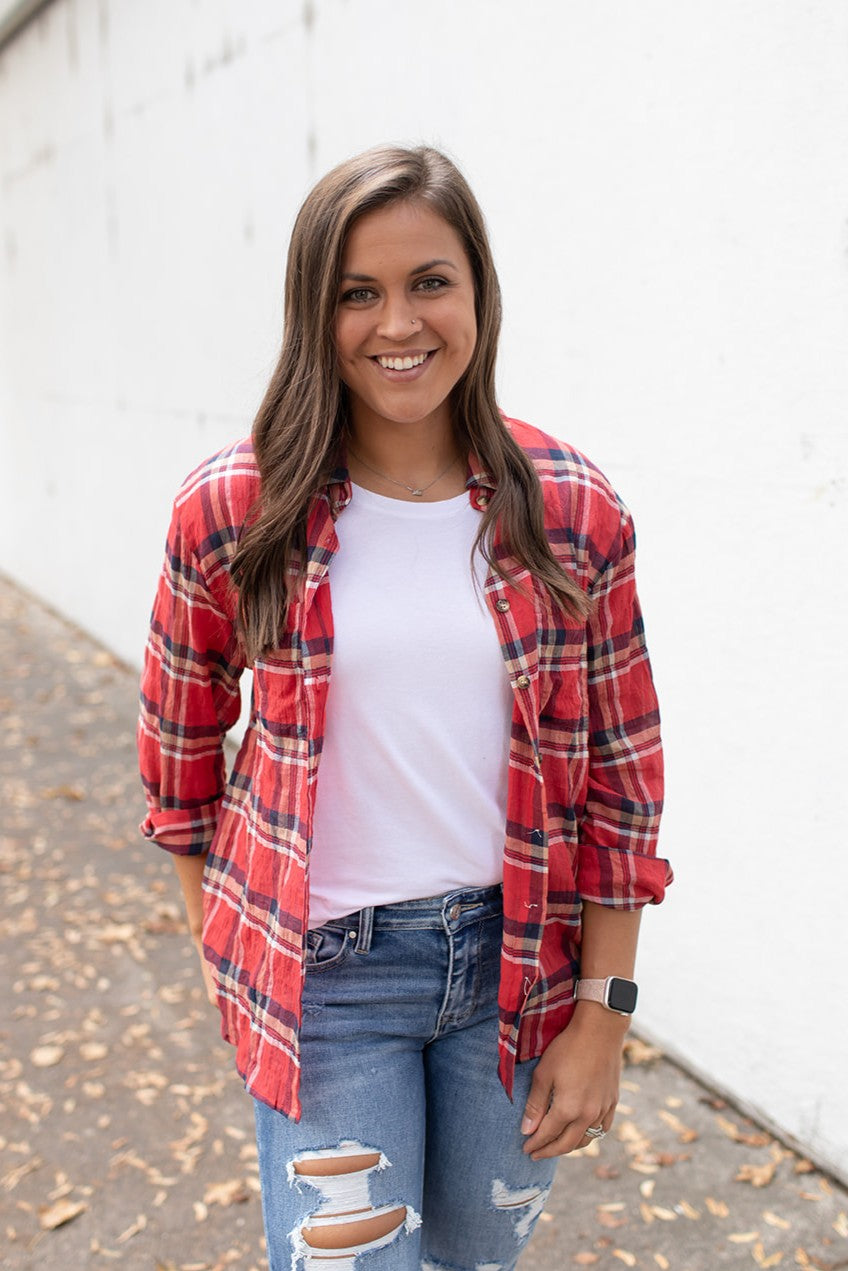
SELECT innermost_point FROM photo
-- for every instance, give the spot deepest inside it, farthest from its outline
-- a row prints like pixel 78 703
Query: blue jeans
pixel 401 1100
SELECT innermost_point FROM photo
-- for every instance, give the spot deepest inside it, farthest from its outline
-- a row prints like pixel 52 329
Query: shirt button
pixel 482 500
pixel 454 912
pixel 502 606
pixel 523 681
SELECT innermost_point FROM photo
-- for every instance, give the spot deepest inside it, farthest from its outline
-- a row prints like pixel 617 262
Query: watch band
pixel 614 993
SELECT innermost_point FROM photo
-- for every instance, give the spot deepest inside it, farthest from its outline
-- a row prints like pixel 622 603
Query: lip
pixel 403 377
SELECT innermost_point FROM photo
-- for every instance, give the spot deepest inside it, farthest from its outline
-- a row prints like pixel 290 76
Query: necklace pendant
pixel 417 493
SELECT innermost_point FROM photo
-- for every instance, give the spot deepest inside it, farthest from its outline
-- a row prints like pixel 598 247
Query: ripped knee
pixel 526 1203
pixel 345 1222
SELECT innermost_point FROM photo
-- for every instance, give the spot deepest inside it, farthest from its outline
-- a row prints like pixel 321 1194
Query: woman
pixel 393 934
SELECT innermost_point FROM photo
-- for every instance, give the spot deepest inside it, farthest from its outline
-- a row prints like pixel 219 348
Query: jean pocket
pixel 327 947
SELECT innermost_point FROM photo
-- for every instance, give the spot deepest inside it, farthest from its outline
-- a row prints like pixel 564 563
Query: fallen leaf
pixel 46 1056
pixel 133 1230
pixel 802 1258
pixel 744 1237
pixel 646 1212
pixel 841 1225
pixel 774 1220
pixel 627 1258
pixel 91 1051
pixel 232 1192
pixel 756 1175
pixel 639 1052
pixel 586 1259
pixel 606 1171
pixel 688 1210
pixel 662 1261
pixel 65 1210
pixel 804 1167
pixel 750 1138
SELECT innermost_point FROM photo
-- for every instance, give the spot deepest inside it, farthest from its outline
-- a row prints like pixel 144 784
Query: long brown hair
pixel 298 431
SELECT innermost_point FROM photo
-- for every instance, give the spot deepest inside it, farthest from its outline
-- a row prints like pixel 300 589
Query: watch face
pixel 621 995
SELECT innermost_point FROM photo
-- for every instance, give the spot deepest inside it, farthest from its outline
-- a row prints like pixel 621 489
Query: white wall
pixel 666 186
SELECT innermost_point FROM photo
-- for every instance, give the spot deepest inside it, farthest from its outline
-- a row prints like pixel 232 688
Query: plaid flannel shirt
pixel 585 763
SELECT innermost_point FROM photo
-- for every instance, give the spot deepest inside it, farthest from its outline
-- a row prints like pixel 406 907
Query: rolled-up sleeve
pixel 617 863
pixel 189 699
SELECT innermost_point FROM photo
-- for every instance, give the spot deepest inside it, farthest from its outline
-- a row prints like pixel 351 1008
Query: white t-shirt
pixel 411 794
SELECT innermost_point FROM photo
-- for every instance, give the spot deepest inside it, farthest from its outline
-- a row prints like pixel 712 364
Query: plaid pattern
pixel 585 764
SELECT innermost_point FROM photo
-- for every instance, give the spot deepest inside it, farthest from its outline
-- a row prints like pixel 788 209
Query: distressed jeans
pixel 399 1077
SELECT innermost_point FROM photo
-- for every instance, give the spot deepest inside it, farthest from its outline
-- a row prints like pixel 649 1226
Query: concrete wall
pixel 666 187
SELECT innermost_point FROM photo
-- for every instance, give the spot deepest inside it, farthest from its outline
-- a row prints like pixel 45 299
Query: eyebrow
pixel 420 269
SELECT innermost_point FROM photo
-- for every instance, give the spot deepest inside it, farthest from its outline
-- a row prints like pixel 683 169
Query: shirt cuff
pixel 182 833
pixel 621 879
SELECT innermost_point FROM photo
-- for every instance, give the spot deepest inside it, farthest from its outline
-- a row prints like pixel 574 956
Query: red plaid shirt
pixel 585 763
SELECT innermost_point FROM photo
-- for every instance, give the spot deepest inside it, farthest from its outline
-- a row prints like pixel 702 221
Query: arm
pixel 576 1081
pixel 190 873
pixel 189 698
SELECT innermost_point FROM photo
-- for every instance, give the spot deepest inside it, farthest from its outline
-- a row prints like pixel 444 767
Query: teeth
pixel 401 363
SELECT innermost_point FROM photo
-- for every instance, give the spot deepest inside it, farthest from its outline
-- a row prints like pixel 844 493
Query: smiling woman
pixel 445 808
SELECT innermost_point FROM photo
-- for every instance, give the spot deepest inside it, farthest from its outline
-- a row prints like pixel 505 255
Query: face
pixel 405 324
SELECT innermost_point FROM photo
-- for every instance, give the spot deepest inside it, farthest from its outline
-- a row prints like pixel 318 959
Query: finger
pixel 538 1102
pixel 558 1138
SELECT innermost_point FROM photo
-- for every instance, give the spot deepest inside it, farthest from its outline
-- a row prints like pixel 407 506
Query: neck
pixel 381 453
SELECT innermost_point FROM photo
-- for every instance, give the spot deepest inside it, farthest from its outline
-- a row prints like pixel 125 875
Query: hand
pixel 575 1084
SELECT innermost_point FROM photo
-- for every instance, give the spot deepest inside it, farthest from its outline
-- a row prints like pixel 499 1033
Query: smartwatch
pixel 615 993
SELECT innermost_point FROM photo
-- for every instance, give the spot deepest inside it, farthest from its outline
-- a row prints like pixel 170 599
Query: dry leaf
pixel 65 1210
pixel 662 1261
pixel 688 1210
pixel 586 1259
pixel 774 1220
pixel 804 1167
pixel 756 1175
pixel 639 1052
pixel 802 1258
pixel 232 1192
pixel 46 1056
pixel 628 1259
pixel 841 1225
pixel 751 1139
pixel 684 1133
pixel 744 1237
pixel 91 1051
pixel 133 1230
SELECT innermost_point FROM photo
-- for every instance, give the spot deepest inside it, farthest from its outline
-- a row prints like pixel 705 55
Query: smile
pixel 407 362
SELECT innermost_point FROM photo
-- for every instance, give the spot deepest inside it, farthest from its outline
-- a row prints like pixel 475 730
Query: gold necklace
pixel 418 491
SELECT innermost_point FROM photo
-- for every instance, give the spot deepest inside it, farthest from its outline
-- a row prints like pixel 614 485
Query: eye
pixel 431 284
pixel 357 295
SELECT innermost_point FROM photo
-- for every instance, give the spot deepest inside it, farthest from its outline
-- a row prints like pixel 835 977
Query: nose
pixel 397 319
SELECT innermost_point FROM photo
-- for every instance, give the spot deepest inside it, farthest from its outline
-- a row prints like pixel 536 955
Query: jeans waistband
pixel 450 912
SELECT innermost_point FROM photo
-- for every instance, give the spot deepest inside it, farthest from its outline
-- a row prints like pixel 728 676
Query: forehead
pixel 403 233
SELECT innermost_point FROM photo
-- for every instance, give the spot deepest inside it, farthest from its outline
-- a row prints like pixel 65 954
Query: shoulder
pixel 219 493
pixel 577 495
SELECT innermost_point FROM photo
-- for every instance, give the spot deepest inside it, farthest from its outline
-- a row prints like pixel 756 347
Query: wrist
pixel 595 1016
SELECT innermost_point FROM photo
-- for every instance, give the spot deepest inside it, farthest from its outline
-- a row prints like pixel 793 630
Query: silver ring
pixel 595 1132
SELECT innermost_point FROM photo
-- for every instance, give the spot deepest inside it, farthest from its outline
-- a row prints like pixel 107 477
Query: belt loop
pixel 366 928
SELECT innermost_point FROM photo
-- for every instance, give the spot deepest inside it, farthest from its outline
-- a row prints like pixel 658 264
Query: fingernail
pixel 526 1125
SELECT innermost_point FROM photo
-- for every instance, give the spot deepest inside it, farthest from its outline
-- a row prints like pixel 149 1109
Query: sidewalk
pixel 125 1137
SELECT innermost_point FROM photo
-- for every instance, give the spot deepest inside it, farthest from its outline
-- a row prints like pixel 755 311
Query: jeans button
pixel 455 911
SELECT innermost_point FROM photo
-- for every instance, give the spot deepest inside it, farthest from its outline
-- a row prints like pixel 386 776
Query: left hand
pixel 575 1084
